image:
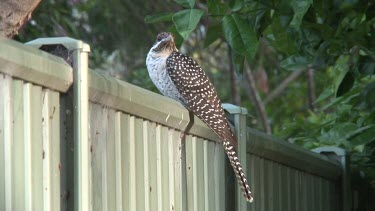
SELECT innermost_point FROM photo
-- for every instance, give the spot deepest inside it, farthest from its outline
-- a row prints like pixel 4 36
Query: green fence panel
pixel 30 82
pixel 126 151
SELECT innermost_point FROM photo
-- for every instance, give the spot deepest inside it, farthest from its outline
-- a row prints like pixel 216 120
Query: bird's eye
pixel 159 39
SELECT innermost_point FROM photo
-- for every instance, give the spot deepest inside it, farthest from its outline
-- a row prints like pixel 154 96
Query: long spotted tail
pixel 238 171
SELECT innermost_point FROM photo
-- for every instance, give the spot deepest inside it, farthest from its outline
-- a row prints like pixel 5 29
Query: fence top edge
pixel 291 155
pixel 128 98
pixel 31 64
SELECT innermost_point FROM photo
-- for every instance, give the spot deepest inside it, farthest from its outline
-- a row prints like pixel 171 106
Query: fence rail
pixel 125 151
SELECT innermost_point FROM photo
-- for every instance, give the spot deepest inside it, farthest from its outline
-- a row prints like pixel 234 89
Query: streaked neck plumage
pixel 156 65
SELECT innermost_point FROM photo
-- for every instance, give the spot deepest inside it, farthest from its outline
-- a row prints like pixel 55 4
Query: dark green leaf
pixel 337 134
pixel 340 70
pixel 240 36
pixel 216 7
pixel 300 8
pixel 346 84
pixel 236 5
pixel 178 39
pixel 365 135
pixel 339 100
pixel 280 36
pixel 162 17
pixel 366 65
pixel 296 62
pixel 186 3
pixel 238 61
pixel 186 21
pixel 369 95
pixel 324 95
pixel 214 32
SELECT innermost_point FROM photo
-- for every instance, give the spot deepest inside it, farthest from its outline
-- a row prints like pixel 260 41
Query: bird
pixel 179 77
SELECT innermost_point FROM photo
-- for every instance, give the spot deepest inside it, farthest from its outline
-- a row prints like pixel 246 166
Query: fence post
pixel 79 60
pixel 240 130
pixel 340 155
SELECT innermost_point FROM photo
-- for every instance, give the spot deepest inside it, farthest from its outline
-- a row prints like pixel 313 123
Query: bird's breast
pixel 157 70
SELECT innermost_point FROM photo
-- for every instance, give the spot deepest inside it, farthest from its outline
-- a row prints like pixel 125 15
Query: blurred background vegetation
pixel 304 69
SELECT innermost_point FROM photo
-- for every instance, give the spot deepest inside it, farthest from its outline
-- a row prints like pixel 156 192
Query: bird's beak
pixel 169 38
pixel 167 42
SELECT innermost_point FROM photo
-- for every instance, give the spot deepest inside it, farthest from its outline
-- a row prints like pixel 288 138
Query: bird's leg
pixel 188 126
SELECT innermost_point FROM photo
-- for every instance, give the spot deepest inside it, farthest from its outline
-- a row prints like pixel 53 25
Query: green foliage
pixel 335 38
pixel 239 36
pixel 186 21
pixel 161 17
pixel 186 3
pixel 299 8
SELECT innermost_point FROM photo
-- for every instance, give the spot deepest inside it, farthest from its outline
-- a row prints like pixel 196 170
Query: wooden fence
pixel 75 139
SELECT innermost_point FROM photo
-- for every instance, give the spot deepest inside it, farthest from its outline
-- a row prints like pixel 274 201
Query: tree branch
pixel 14 14
pixel 284 84
pixel 254 95
pixel 310 88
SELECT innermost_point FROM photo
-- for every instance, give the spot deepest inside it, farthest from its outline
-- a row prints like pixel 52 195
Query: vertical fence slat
pixel 118 162
pixel 146 182
pixel 152 161
pixel 268 185
pixel 97 148
pixel 103 159
pixel 319 193
pixel 289 182
pixel 55 149
pixel 46 151
pixel 273 171
pixel 132 168
pixel 18 156
pixel 325 195
pixel 66 144
pixel 110 160
pixel 125 161
pixel 302 191
pixel 280 190
pixel 299 191
pixel 307 191
pixel 313 186
pixel 179 172
pixel 262 192
pixel 195 168
pixel 257 185
pixel 51 147
pixel 2 142
pixel 189 174
pixel 6 144
pixel 251 162
pixel 284 187
pixel 139 162
pixel 164 165
pixel 199 166
pixel 206 175
pixel 33 147
pixel 209 175
pixel 159 167
pixel 293 186
pixel 171 166
pixel 220 180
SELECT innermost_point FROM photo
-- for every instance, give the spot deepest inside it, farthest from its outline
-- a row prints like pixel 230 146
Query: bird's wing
pixel 200 96
pixel 198 93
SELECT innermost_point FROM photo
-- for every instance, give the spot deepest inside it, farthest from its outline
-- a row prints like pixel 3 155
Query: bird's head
pixel 164 44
